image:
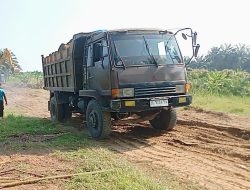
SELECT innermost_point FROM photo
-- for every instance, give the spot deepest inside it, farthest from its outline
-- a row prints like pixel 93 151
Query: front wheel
pixel 98 121
pixel 165 120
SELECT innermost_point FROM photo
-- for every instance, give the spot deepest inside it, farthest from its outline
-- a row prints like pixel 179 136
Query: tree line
pixel 227 56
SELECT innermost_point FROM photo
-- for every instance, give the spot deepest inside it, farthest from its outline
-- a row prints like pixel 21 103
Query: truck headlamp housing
pixel 123 93
pixel 180 89
pixel 183 88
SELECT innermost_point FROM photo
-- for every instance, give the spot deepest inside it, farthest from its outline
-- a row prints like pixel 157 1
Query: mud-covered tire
pixel 67 112
pixel 98 121
pixel 165 120
pixel 56 111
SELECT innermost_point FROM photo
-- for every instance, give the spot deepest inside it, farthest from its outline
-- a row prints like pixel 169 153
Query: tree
pixel 226 56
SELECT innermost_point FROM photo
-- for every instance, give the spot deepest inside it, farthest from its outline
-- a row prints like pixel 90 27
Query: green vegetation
pixel 226 82
pixel 32 79
pixel 226 56
pixel 226 91
pixel 18 134
pixel 229 104
pixel 17 125
pixel 122 176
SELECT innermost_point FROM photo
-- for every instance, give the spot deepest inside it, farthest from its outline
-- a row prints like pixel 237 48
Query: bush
pixel 32 79
pixel 226 82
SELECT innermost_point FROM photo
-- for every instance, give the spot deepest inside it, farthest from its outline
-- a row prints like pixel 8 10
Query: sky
pixel 30 28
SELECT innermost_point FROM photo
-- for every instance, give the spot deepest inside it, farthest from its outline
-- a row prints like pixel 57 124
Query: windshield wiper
pixel 118 56
pixel 150 55
pixel 167 50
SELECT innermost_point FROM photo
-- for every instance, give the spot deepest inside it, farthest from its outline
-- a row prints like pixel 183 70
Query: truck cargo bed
pixel 63 69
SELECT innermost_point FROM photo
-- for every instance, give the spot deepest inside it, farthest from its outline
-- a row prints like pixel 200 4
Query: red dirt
pixel 208 148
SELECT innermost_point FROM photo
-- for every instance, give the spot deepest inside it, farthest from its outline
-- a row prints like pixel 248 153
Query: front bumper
pixel 143 104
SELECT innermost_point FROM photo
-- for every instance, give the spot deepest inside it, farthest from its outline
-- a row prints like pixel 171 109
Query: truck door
pixel 98 67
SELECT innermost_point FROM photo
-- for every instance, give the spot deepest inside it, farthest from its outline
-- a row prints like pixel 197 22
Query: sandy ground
pixel 208 148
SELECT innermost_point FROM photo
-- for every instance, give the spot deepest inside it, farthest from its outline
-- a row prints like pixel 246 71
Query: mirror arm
pixel 189 60
pixel 183 29
pixel 195 53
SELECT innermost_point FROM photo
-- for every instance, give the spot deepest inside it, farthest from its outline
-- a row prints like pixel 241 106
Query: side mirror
pixel 184 36
pixel 196 50
pixel 105 55
pixel 102 58
pixel 194 38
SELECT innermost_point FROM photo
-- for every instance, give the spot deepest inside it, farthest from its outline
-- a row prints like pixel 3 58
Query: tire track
pixel 213 168
pixel 159 158
pixel 163 152
pixel 209 148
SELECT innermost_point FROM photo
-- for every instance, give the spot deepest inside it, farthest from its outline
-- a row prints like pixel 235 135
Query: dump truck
pixel 119 76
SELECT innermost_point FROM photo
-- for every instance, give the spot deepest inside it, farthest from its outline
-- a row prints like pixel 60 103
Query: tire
pixel 165 120
pixel 56 111
pixel 98 121
pixel 67 112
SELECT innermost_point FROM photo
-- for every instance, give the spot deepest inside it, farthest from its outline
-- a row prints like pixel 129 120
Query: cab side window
pixel 97 51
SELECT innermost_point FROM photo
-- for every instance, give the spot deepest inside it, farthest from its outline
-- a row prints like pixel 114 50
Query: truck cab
pixel 122 76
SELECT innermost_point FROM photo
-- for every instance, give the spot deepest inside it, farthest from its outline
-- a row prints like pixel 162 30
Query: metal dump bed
pixel 63 69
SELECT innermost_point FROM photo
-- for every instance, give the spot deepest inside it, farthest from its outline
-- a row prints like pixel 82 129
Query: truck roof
pixel 124 30
pixel 139 30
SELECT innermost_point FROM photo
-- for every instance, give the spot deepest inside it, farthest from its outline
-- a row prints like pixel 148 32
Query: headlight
pixel 123 93
pixel 180 89
pixel 183 88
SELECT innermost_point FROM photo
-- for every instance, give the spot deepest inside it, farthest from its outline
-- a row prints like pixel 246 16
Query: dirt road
pixel 208 148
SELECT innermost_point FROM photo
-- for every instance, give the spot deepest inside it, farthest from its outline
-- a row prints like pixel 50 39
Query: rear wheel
pixel 165 120
pixel 56 110
pixel 67 112
pixel 98 121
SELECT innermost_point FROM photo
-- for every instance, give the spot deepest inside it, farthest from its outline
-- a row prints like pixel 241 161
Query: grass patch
pixel 19 134
pixel 14 125
pixel 229 104
pixel 122 175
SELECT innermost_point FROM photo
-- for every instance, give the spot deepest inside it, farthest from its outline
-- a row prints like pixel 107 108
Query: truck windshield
pixel 133 50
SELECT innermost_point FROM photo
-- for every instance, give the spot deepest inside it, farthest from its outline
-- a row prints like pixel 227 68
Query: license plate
pixel 158 102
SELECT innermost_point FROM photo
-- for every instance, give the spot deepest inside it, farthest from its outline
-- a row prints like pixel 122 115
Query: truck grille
pixel 154 91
